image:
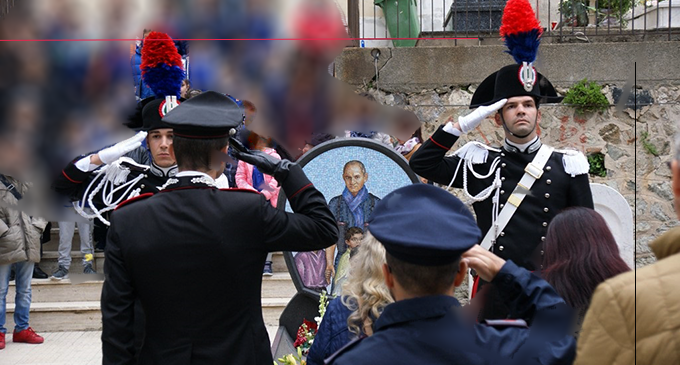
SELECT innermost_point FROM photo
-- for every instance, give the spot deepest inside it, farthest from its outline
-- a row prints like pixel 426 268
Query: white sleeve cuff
pixel 84 164
pixel 449 128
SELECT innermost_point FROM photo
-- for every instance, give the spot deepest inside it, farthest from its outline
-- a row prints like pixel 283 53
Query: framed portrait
pixel 353 174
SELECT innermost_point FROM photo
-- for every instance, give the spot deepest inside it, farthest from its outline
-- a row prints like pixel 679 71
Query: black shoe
pixel 61 273
pixel 38 273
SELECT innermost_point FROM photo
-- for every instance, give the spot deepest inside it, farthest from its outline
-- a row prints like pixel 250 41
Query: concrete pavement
pixel 62 348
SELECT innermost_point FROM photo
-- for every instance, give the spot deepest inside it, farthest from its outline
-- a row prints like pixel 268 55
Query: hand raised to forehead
pixel 472 120
pixel 268 165
pixel 484 262
pixel 111 154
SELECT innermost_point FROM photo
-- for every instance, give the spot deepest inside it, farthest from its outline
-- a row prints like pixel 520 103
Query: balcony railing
pixel 406 22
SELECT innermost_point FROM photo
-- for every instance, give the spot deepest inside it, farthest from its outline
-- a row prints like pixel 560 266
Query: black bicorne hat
pixel 153 113
pixel 506 83
pixel 148 119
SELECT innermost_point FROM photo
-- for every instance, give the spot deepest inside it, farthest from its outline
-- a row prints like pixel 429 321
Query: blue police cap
pixel 424 225
pixel 207 115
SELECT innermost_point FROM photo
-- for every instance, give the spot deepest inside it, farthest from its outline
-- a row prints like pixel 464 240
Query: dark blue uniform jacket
pixel 431 330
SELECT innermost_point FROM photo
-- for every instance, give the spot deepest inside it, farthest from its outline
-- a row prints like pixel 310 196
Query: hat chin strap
pixel 517 135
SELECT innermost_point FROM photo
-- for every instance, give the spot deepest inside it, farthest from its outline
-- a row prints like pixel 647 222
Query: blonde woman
pixel 365 295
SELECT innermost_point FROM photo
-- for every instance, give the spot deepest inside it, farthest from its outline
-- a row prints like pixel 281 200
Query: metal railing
pixel 562 20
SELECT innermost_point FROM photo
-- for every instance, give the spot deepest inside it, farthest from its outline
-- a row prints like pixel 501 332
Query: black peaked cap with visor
pixel 209 115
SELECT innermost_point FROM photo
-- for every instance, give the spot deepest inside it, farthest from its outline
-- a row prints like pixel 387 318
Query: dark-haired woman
pixel 579 253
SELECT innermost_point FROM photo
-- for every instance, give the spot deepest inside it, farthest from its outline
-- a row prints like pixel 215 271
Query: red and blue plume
pixel 161 65
pixel 521 31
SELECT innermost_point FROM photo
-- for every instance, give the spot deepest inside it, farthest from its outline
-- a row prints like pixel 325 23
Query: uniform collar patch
pixel 533 147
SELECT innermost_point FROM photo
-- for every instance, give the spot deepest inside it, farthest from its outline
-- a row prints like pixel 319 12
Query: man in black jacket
pixel 197 264
pixel 514 196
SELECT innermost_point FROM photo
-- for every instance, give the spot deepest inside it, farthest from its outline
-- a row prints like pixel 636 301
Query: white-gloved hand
pixel 111 154
pixel 472 120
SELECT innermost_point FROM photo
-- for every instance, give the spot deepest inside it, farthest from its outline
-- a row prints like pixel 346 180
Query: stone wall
pixel 631 168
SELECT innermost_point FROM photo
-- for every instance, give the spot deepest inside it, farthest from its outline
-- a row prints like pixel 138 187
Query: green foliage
pixel 586 97
pixel 618 7
pixel 644 138
pixel 596 161
pixel 575 12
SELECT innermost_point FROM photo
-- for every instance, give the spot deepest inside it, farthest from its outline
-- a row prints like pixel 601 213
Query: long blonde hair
pixel 365 292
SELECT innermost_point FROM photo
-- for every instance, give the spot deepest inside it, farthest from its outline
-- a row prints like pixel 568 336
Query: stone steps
pixel 278 285
pixel 49 291
pixel 61 316
pixel 86 316
pixel 49 262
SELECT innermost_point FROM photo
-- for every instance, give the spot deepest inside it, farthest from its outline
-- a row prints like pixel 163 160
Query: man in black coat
pixel 495 177
pixel 197 263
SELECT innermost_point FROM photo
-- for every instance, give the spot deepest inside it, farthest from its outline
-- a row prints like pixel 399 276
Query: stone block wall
pixel 634 170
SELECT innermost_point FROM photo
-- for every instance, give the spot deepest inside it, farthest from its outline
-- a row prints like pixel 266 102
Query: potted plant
pixel 575 12
pixel 612 11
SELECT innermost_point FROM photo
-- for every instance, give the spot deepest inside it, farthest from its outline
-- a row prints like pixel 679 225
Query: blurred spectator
pixel 409 147
pixel 365 118
pixel 186 87
pixel 315 140
pixel 365 295
pixel 288 80
pixel 311 266
pixel 579 253
pixel 633 317
pixel 142 91
pixel 249 177
pixel 20 236
pixel 242 134
pixel 66 232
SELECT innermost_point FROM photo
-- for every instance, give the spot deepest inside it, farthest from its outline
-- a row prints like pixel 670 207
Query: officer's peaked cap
pixel 208 115
pixel 424 225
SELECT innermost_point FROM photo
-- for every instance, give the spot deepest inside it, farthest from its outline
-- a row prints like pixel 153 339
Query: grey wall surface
pixel 414 69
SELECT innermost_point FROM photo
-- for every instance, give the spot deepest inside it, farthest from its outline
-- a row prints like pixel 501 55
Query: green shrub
pixel 596 161
pixel 586 97
pixel 575 12
pixel 618 7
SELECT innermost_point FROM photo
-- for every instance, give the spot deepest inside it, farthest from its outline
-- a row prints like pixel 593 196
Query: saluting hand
pixel 472 120
pixel 484 262
pixel 267 164
pixel 111 154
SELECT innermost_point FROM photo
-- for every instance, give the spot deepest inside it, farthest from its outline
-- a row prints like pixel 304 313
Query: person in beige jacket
pixel 635 317
pixel 20 245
